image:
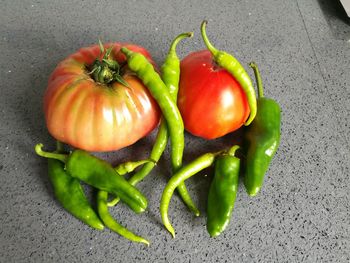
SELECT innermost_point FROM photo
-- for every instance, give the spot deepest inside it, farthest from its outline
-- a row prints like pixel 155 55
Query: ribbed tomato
pixel 93 115
pixel 211 101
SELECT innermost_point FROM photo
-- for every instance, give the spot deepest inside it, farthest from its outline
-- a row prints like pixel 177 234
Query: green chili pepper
pixel 99 174
pixel 145 71
pixel 171 67
pixel 157 150
pixel 222 192
pixel 232 65
pixel 202 162
pixel 102 205
pixel 112 224
pixel 170 76
pixel 261 139
pixel 70 194
pixel 125 168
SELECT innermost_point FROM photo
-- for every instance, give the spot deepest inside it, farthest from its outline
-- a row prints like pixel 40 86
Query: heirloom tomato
pixel 93 102
pixel 212 103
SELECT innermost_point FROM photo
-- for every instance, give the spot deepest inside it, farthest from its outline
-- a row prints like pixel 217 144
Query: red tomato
pixel 94 116
pixel 211 101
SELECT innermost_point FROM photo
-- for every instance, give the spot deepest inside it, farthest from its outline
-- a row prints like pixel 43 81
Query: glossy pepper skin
pixel 99 174
pixel 232 65
pixel 222 192
pixel 261 140
pixel 111 223
pixel 186 172
pixel 170 77
pixel 102 205
pixel 160 92
pixel 70 194
pixel 151 79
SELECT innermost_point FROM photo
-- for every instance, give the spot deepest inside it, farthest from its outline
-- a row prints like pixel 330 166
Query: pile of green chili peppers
pixel 261 139
pixel 260 143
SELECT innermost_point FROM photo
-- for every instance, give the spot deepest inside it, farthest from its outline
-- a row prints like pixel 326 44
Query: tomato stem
pixel 106 70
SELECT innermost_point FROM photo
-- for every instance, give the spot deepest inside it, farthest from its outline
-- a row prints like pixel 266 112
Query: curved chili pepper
pixel 125 168
pixel 112 224
pixel 102 205
pixel 232 65
pixel 70 194
pixel 222 192
pixel 145 71
pixel 171 66
pixel 99 174
pixel 202 162
pixel 261 139
pixel 170 76
pixel 157 151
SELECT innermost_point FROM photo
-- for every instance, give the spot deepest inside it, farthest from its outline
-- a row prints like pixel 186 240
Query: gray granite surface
pixel 303 211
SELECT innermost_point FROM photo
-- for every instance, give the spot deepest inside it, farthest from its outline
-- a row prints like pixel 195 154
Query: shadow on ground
pixel 337 18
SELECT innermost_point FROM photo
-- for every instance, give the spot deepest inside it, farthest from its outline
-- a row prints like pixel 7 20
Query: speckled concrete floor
pixel 303 212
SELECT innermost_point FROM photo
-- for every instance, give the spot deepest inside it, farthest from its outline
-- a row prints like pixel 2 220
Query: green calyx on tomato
pixel 107 69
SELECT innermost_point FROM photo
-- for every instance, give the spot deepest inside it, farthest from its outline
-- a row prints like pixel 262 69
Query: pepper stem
pixel 59 146
pixel 126 51
pixel 254 66
pixel 177 40
pixel 233 150
pixel 58 156
pixel 128 167
pixel 211 48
